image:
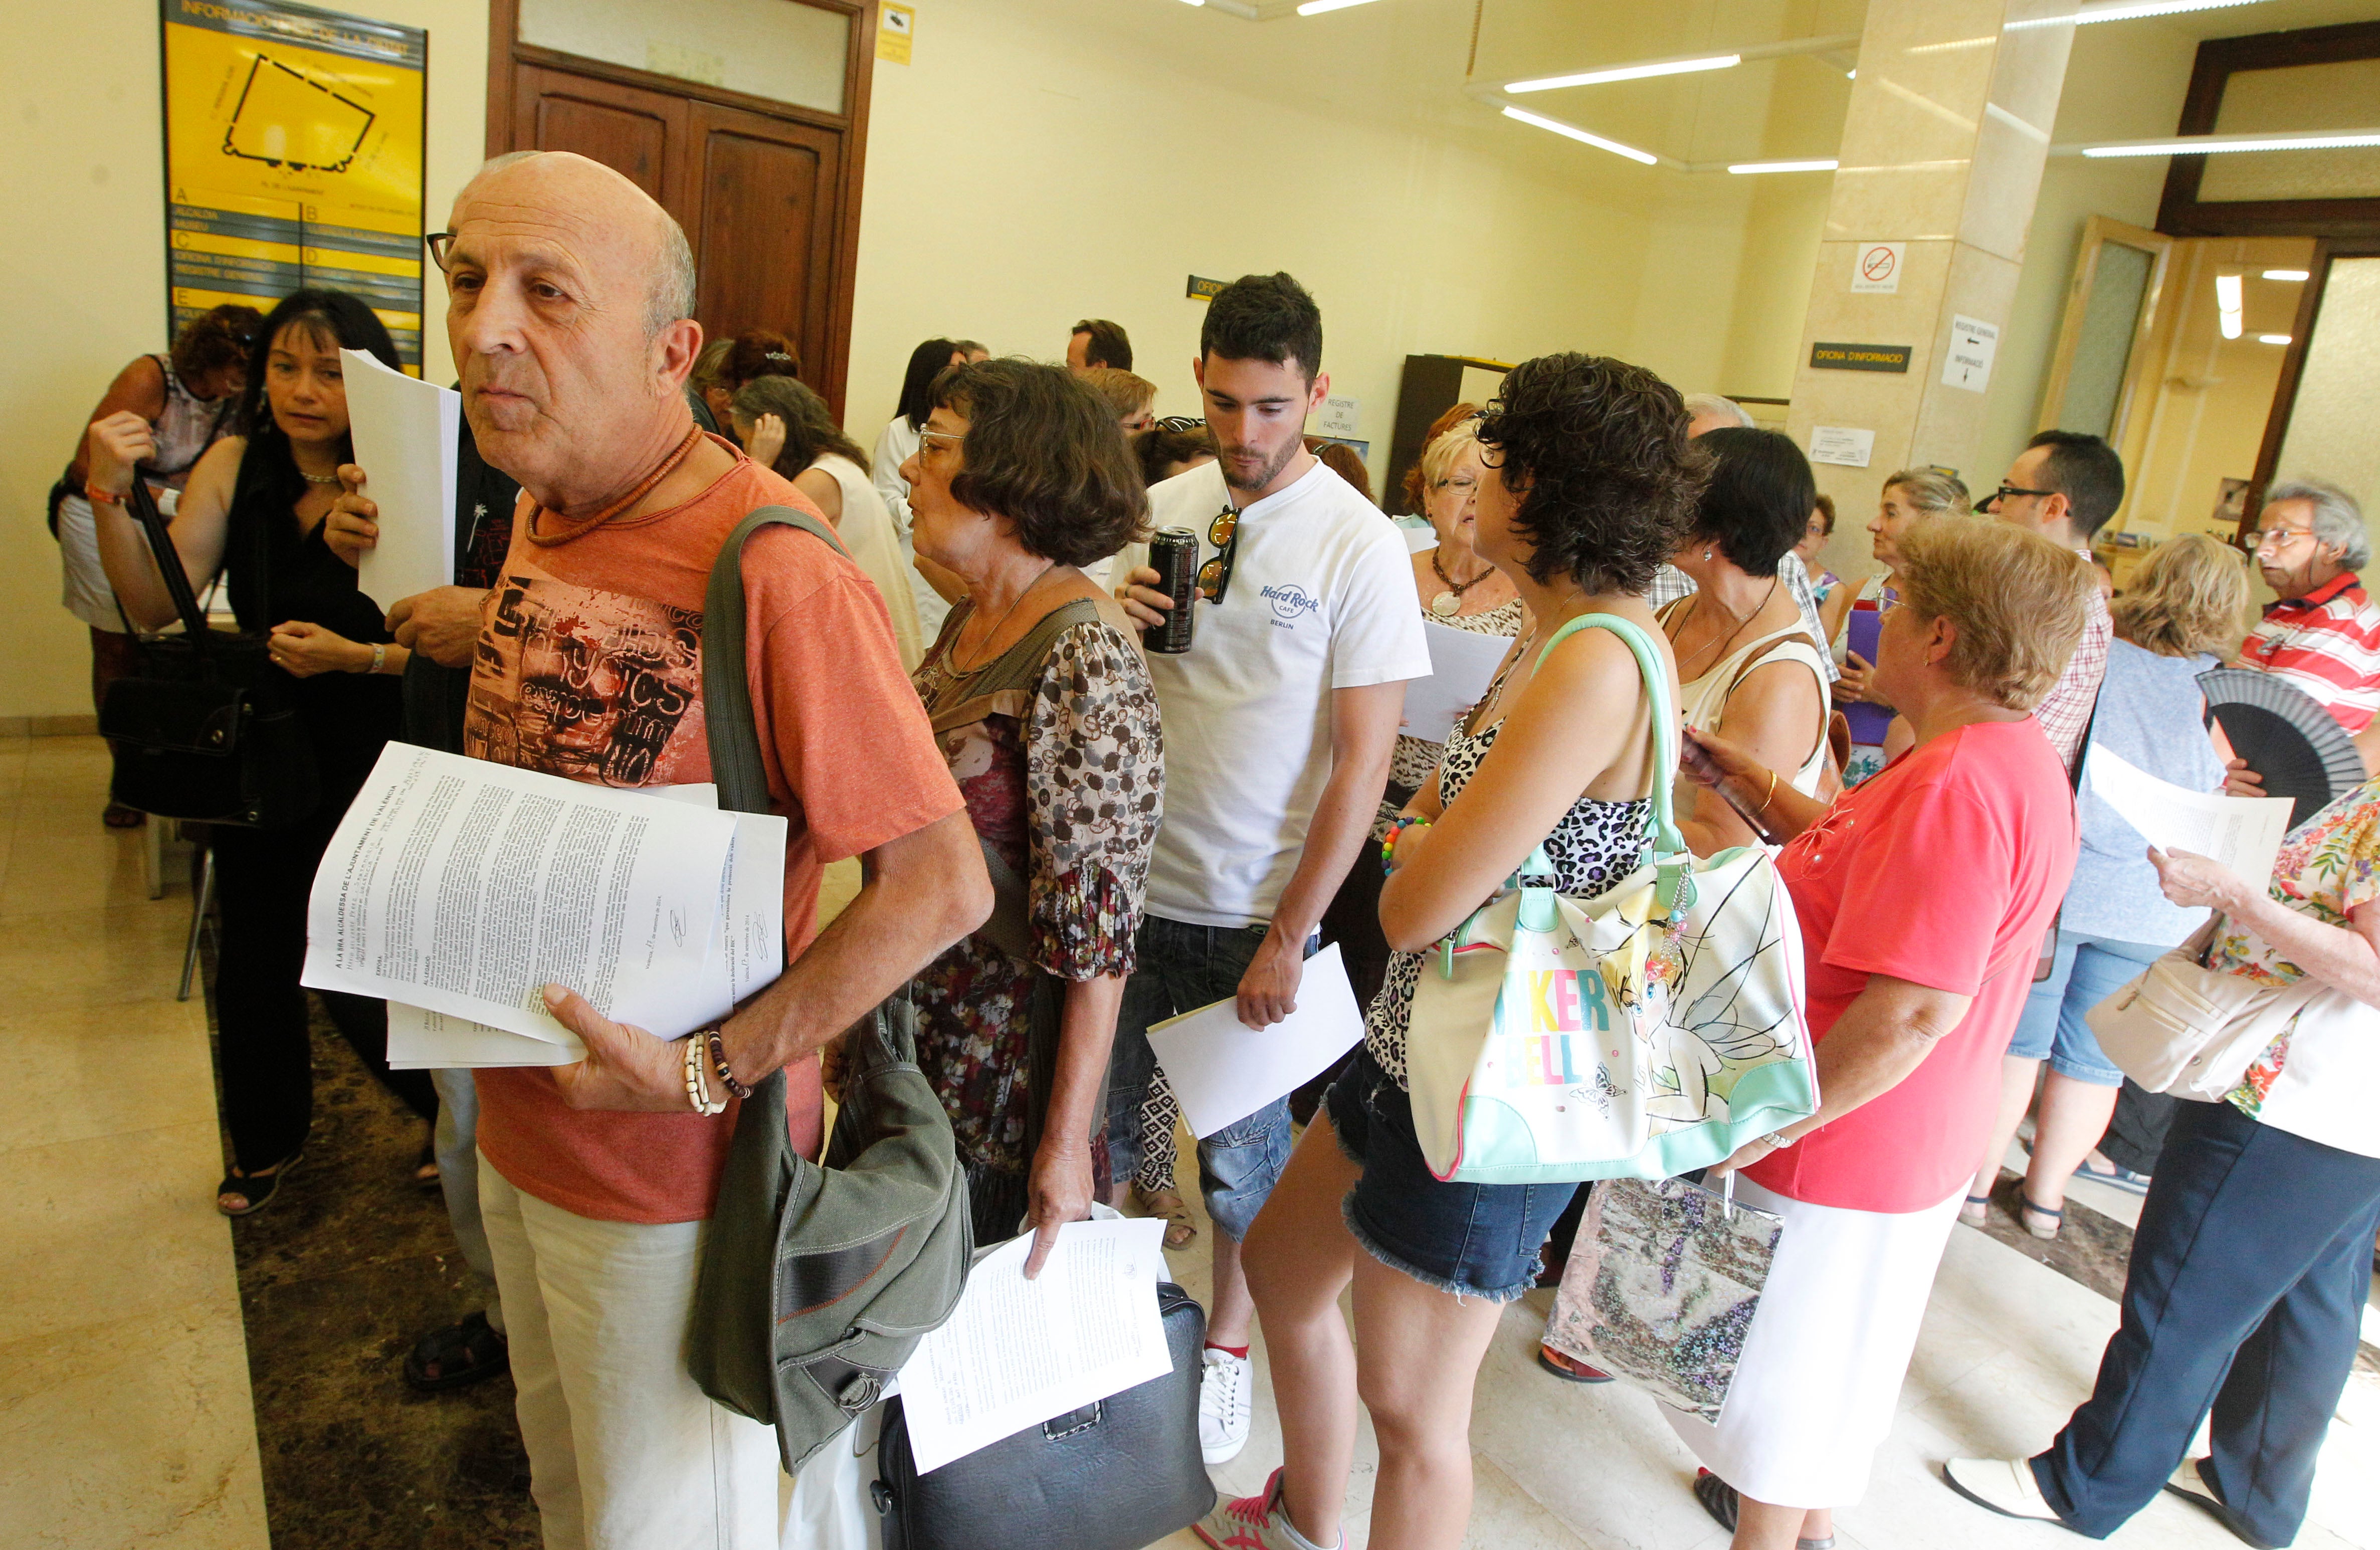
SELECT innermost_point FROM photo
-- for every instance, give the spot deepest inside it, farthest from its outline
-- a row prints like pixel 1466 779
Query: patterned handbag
pixel 1649 1031
pixel 1661 1287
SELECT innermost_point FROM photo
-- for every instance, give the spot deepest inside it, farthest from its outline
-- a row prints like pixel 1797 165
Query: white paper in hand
pixel 407 437
pixel 1461 662
pixel 1223 1070
pixel 424 1040
pixel 2242 833
pixel 1016 1353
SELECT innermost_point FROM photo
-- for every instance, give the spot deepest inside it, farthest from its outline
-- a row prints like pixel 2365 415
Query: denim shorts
pixel 2087 971
pixel 1471 1240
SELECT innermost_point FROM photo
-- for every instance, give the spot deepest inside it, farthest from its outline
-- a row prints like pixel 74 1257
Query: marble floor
pixel 130 1398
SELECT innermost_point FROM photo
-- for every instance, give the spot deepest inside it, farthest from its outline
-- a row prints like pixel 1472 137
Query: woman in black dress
pixel 253 510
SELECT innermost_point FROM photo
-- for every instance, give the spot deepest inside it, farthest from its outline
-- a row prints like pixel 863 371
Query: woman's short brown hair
pixel 759 352
pixel 2189 598
pixel 2018 600
pixel 218 338
pixel 1043 450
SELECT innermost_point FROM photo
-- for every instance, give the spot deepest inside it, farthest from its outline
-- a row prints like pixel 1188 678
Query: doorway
pixel 745 119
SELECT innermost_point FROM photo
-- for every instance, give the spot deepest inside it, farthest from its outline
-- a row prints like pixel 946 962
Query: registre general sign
pixel 293 158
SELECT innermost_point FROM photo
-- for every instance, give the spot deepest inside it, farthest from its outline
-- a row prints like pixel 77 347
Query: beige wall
pixel 85 278
pixel 1040 161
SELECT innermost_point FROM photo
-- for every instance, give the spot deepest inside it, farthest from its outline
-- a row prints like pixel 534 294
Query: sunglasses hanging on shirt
pixel 1215 575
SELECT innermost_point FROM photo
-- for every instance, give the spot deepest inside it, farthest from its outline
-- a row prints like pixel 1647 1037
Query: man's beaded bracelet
pixel 698 1090
pixel 719 1063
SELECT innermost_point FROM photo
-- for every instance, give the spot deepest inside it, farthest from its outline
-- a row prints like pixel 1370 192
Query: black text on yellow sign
pixel 1859 357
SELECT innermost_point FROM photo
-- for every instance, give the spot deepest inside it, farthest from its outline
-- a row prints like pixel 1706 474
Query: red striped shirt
pixel 2326 643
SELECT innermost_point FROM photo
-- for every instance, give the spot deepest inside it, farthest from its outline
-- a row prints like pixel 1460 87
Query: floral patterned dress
pixel 1065 781
pixel 2324 870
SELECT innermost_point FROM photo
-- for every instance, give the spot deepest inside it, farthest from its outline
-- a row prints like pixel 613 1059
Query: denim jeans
pixel 1180 968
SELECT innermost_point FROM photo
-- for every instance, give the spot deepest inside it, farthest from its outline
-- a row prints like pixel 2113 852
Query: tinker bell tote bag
pixel 1645 1032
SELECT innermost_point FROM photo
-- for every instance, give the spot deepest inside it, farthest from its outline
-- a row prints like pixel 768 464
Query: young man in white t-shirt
pixel 1278 723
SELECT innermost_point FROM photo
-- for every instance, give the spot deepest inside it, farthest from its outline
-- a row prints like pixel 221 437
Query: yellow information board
pixel 293 141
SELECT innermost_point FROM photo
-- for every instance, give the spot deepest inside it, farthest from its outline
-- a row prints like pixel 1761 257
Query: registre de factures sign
pixel 294 146
pixel 1824 356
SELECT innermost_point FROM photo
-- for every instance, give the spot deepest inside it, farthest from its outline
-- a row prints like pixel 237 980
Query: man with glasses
pixel 1278 724
pixel 2323 634
pixel 2065 485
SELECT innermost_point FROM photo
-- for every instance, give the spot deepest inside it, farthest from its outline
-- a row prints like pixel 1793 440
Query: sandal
pixel 425 1170
pixel 1976 1211
pixel 1719 1499
pixel 116 815
pixel 2055 1218
pixel 1569 1368
pixel 458 1355
pixel 1165 1204
pixel 245 1185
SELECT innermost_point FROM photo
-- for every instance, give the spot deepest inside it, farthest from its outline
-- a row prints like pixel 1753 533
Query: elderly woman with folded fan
pixel 2252 1262
pixel 1913 992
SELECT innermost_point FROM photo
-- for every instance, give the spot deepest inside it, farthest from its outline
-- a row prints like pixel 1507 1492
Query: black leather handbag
pixel 1115 1475
pixel 208 731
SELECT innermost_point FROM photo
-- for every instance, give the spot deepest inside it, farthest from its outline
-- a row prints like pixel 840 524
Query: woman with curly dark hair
pixel 1589 483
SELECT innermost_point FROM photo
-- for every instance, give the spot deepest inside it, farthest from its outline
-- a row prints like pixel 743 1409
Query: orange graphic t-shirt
pixel 589 667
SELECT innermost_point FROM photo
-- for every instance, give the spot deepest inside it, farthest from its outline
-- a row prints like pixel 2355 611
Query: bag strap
pixel 143 507
pixel 1672 861
pixel 728 725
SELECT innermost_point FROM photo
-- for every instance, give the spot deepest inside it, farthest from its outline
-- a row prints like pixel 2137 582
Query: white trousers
pixel 625 1452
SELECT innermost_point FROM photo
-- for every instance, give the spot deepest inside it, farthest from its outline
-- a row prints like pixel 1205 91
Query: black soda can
pixel 1174 556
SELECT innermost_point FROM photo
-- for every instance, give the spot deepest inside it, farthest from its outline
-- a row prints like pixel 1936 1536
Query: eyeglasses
pixel 438 242
pixel 935 441
pixel 2276 539
pixel 2005 490
pixel 1215 575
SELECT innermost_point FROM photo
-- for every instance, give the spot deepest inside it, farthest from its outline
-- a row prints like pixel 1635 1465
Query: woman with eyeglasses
pixel 187 399
pixel 896 444
pixel 1910 496
pixel 253 510
pixel 1044 707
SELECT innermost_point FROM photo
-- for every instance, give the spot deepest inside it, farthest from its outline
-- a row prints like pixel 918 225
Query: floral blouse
pixel 2324 870
pixel 1069 791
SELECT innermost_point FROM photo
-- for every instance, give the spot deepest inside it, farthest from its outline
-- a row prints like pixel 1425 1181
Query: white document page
pixel 464 886
pixel 2241 832
pixel 1461 664
pixel 1224 1071
pixel 1016 1353
pixel 407 437
pixel 421 1040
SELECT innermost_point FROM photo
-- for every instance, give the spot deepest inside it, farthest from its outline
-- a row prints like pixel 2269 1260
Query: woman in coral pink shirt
pixel 1923 896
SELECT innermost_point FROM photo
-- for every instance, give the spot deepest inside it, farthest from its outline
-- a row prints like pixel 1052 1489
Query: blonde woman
pixel 2188 605
pixel 1910 496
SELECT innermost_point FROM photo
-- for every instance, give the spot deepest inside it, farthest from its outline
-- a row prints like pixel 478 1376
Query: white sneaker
pixel 2005 1485
pixel 1226 1401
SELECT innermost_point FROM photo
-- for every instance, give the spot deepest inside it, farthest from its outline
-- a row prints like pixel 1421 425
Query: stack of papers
pixel 1016 1353
pixel 456 889
pixel 1223 1071
pixel 1461 664
pixel 2243 833
pixel 407 435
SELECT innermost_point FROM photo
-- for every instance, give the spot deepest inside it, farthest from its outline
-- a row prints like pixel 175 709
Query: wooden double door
pixel 769 201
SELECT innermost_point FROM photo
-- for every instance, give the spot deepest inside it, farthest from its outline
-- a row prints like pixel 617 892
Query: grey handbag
pixel 1661 1288
pixel 817 1282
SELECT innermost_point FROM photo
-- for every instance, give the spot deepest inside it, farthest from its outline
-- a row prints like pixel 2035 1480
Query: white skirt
pixel 1820 1378
pixel 87 595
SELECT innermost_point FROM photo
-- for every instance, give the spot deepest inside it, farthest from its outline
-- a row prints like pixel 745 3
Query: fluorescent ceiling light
pixel 2272 339
pixel 1315 7
pixel 1582 136
pixel 1623 72
pixel 2129 10
pixel 2218 145
pixel 1850 75
pixel 1827 165
pixel 2289 275
pixel 2226 304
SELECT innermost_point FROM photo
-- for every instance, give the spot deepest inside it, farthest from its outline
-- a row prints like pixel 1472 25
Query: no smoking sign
pixel 1875 267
